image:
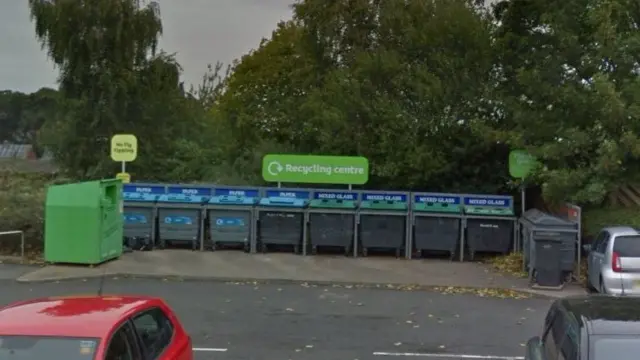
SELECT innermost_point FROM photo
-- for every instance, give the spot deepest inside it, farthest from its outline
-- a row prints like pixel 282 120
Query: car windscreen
pixel 46 347
pixel 618 348
pixel 627 246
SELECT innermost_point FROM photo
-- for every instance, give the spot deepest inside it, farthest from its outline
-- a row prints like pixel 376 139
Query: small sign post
pixel 124 149
pixel 521 163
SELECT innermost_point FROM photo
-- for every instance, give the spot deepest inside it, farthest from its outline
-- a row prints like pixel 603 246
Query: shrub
pixel 595 219
pixel 22 197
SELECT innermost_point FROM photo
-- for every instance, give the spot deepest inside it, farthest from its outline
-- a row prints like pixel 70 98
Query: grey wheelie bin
pixel 540 227
pixel 139 214
pixel 181 218
pixel 332 220
pixel 383 223
pixel 490 223
pixel 281 219
pixel 547 264
pixel 437 223
pixel 230 214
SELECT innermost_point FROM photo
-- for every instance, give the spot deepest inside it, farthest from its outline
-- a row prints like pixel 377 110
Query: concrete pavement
pixel 233 321
pixel 236 265
pixel 13 271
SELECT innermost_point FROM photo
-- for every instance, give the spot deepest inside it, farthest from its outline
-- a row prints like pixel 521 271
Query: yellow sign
pixel 124 147
pixel 125 177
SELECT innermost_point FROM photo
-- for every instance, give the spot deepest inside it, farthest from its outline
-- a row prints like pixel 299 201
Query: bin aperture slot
pixel 283 202
pixel 138 197
pixel 332 204
pixel 232 200
pixel 110 198
pixel 181 198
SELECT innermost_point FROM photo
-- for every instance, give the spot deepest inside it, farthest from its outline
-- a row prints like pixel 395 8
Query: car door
pixel 591 262
pixel 570 344
pixel 599 258
pixel 123 344
pixel 156 333
pixel 551 334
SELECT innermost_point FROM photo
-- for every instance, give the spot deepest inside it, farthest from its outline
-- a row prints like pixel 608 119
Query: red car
pixel 92 327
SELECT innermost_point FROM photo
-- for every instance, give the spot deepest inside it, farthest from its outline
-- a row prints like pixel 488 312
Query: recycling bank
pixel 308 221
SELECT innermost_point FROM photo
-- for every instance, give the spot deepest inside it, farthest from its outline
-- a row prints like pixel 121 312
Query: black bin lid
pixel 541 219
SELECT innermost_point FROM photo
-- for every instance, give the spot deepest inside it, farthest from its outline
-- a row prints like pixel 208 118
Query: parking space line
pixel 450 356
pixel 209 349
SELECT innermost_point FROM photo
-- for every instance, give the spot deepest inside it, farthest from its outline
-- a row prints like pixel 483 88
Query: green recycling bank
pixel 348 170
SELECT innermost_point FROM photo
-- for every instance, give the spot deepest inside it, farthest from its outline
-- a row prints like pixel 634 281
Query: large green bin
pixel 83 222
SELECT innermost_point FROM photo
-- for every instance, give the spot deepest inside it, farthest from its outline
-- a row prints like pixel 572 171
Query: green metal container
pixel 83 222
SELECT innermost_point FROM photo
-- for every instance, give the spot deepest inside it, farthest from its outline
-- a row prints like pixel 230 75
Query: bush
pixel 595 219
pixel 22 197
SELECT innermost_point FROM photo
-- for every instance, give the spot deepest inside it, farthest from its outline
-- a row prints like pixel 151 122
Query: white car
pixel 614 261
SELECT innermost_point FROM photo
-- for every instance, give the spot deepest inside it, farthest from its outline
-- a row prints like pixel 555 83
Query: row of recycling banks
pixel 86 223
pixel 307 219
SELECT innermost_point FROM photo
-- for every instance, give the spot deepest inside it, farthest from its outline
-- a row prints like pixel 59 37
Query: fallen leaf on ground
pixel 510 264
pixel 483 292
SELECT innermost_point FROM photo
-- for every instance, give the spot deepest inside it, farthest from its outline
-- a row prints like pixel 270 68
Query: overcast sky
pixel 201 32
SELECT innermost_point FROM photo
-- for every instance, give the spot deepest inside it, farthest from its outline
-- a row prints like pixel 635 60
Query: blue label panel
pixel 291 194
pixel 145 189
pixel 178 220
pixel 186 190
pixel 384 197
pixel 436 199
pixel 331 195
pixel 229 221
pixel 134 219
pixel 487 201
pixel 236 192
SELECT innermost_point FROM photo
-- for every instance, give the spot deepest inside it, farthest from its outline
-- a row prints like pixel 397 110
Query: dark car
pixel 589 328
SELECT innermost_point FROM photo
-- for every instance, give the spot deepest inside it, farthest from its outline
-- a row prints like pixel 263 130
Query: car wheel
pixel 603 290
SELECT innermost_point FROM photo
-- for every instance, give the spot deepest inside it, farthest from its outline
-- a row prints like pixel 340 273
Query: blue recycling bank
pixel 231 218
pixel 180 215
pixel 308 220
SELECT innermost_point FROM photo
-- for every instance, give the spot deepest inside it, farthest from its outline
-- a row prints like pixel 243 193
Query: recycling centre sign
pixel 313 169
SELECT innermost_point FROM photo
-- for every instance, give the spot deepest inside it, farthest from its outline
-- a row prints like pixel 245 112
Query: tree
pixel 569 92
pixel 102 49
pixel 23 115
pixel 407 79
pixel 397 82
pixel 11 105
pixel 259 110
